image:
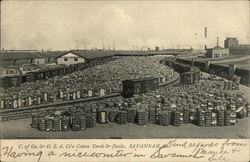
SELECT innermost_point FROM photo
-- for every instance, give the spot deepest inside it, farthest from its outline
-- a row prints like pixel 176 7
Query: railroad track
pixel 26 112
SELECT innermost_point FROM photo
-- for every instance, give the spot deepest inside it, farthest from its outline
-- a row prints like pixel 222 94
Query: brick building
pixel 229 42
pixel 217 52
pixel 242 49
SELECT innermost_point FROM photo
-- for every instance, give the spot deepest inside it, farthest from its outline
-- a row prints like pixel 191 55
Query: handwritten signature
pixel 194 150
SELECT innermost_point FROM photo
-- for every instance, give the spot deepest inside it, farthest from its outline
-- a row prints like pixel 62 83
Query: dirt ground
pixel 22 130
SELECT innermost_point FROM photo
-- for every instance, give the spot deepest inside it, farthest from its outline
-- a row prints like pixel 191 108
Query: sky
pixel 64 25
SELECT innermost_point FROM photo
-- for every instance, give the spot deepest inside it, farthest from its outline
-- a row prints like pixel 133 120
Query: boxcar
pixel 68 69
pixel 61 71
pixel 5 82
pixel 55 72
pixel 42 74
pixel 47 74
pixel 137 86
pixel 82 66
pixel 38 75
pixel 197 76
pixel 186 78
pixel 23 79
pixel 73 68
pixel 30 77
pixel 15 81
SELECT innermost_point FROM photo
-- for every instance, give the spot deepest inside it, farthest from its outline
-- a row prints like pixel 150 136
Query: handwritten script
pixel 169 149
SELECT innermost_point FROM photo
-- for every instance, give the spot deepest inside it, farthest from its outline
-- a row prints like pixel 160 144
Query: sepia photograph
pixel 125 70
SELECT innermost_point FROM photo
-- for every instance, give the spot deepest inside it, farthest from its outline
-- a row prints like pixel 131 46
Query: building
pixel 217 52
pixel 242 49
pixel 70 58
pixel 9 71
pixel 20 51
pixel 21 58
pixel 229 42
pixel 81 56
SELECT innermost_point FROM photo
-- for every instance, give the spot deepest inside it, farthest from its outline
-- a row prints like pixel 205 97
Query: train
pixel 138 86
pixel 188 74
pixel 17 80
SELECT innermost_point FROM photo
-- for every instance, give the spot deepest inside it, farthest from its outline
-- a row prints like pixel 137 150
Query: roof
pixel 141 79
pixel 27 55
pixel 89 54
pixel 240 46
pixel 217 48
pixel 231 38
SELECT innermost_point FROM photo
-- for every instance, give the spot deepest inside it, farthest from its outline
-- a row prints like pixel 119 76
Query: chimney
pixel 205 32
pixel 217 41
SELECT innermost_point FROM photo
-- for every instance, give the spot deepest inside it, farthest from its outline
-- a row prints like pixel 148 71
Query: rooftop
pixel 216 48
pixel 142 79
pixel 241 46
pixel 231 38
pixel 27 55
pixel 89 54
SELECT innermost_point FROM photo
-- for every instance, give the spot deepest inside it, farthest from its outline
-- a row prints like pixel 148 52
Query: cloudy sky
pixel 59 25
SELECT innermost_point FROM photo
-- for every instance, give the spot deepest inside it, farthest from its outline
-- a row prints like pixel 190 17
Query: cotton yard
pixel 127 97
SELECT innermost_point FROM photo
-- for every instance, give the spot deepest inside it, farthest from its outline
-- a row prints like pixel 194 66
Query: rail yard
pixel 124 81
pixel 127 97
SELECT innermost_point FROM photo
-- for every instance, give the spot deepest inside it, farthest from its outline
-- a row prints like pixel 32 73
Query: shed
pixel 81 56
pixel 217 52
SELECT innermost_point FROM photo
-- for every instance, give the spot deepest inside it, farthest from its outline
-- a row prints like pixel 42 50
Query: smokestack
pixel 217 41
pixel 205 32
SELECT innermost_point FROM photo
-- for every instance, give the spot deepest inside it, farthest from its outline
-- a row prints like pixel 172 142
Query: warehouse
pixel 217 52
pixel 242 49
pixel 21 58
pixel 9 71
pixel 80 56
pixel 70 58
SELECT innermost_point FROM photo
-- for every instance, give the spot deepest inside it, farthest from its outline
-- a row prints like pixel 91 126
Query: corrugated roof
pixel 142 79
pixel 89 54
pixel 217 48
pixel 28 55
pixel 241 46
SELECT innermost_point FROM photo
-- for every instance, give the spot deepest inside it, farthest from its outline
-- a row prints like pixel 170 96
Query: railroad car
pixel 137 86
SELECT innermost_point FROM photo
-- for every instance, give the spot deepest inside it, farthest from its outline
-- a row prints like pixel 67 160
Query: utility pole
pixel 77 41
pixel 85 44
pixel 113 45
pixel 108 47
pixel 103 47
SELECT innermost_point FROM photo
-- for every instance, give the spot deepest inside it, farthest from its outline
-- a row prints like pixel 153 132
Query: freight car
pixel 190 77
pixel 189 74
pixel 13 81
pixel 10 81
pixel 138 86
